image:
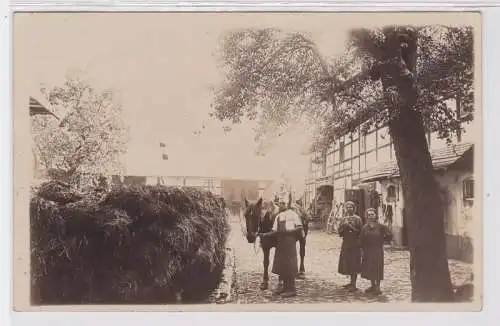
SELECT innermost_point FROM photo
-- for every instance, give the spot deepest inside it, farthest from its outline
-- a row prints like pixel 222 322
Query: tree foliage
pixel 89 139
pixel 271 77
pixel 276 78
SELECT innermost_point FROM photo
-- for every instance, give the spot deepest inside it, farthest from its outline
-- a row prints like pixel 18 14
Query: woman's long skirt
pixel 350 259
pixel 285 257
pixel 372 265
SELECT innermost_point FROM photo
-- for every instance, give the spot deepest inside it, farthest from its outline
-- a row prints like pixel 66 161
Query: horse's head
pixel 253 216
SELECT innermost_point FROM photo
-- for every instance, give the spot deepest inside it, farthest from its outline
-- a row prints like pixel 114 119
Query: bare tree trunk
pixel 429 273
pixel 430 277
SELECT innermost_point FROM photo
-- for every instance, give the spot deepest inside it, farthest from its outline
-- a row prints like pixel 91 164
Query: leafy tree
pixel 89 139
pixel 406 78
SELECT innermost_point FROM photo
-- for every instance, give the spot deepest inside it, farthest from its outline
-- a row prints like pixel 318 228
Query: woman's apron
pixel 285 256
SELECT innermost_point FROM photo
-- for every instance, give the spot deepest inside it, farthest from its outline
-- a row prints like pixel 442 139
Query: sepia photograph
pixel 239 161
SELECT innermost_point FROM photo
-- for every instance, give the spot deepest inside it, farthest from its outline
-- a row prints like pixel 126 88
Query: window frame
pixel 468 189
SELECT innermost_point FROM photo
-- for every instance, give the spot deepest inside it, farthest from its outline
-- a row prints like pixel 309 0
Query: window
pixel 391 191
pixel 391 194
pixel 468 189
pixel 341 152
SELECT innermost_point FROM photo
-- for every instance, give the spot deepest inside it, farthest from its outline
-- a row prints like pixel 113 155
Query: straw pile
pixel 137 244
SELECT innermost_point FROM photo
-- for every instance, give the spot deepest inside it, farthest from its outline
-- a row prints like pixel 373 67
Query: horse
pixel 259 218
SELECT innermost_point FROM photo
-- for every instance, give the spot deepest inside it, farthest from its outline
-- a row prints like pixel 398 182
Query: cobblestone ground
pixel 323 284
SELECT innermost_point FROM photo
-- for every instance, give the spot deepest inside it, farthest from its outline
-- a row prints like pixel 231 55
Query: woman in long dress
pixel 350 253
pixel 373 236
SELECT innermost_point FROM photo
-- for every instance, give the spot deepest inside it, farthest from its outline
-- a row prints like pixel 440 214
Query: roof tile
pixel 441 158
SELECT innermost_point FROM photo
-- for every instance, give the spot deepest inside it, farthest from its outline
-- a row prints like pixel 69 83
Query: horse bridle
pixel 243 226
pixel 259 222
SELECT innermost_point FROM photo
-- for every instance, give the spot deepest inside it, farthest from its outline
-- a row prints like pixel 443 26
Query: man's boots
pixel 280 288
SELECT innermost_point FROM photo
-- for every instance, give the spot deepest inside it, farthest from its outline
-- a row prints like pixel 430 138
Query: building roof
pixel 442 158
pixel 36 108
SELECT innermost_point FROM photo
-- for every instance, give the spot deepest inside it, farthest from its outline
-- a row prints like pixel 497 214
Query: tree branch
pixel 369 73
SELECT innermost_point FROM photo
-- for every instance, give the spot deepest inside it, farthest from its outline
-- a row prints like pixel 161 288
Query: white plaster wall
pixel 151 180
pixel 173 181
pixel 457 221
pixel 448 184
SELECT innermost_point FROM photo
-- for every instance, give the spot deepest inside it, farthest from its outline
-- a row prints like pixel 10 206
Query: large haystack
pixel 138 244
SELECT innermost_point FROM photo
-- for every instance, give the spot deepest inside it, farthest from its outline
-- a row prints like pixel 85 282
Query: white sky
pixel 162 66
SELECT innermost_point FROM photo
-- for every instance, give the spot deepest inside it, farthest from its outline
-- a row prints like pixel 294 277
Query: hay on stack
pixel 137 244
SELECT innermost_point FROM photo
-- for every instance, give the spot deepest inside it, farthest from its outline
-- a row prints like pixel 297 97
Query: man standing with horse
pixel 260 220
pixel 288 228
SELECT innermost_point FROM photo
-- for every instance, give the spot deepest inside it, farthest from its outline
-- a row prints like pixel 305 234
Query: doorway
pixel 323 202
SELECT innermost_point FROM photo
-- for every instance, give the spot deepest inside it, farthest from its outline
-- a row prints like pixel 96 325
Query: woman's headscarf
pixel 350 203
